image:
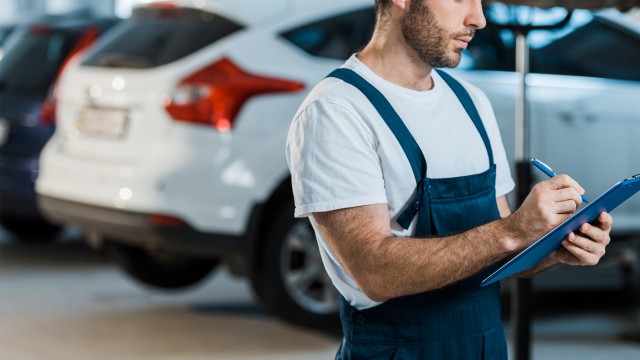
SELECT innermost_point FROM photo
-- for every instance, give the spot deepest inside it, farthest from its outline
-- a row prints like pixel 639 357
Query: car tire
pixel 163 271
pixel 290 280
pixel 30 230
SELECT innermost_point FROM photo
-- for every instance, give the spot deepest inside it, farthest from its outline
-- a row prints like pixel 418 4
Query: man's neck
pixel 389 57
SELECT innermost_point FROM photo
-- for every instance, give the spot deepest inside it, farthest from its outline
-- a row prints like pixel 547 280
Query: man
pixel 407 253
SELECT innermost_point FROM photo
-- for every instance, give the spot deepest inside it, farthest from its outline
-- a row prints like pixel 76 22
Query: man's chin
pixel 451 61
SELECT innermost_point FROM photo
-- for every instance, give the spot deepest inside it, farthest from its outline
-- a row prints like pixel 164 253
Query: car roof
pixel 629 21
pixel 72 21
pixel 244 11
pixel 73 18
pixel 250 12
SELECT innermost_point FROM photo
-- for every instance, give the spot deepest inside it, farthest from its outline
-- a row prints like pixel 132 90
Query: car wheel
pixel 291 282
pixel 160 270
pixel 30 230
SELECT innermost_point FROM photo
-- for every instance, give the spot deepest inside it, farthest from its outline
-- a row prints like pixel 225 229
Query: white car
pixel 169 147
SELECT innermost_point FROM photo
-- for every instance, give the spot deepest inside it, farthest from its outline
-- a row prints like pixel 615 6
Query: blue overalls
pixel 460 321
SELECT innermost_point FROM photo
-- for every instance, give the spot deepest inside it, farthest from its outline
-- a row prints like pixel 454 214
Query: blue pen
pixel 547 170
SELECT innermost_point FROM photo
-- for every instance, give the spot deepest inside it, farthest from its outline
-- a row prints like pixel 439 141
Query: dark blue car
pixel 34 55
pixel 5 30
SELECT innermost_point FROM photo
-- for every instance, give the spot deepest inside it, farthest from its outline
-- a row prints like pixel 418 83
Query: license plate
pixel 109 123
pixel 4 130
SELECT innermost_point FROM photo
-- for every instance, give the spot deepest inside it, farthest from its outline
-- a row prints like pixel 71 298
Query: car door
pixel 585 119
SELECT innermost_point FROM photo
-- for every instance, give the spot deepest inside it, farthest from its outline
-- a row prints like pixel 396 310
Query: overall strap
pixel 390 117
pixel 470 108
pixel 411 149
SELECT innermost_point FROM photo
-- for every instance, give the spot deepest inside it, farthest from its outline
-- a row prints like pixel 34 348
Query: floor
pixel 63 301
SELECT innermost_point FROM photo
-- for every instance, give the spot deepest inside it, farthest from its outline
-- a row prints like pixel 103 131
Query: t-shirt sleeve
pixel 333 160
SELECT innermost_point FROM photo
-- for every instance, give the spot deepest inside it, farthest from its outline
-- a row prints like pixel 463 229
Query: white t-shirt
pixel 342 154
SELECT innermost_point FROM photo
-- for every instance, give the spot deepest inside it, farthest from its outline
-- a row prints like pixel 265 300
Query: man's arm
pixel 386 267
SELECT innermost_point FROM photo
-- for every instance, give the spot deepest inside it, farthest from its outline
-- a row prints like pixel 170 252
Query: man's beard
pixel 427 38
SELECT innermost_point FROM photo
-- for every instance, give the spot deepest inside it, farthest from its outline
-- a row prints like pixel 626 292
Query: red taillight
pixel 167 221
pixel 48 107
pixel 166 10
pixel 214 95
pixel 86 40
pixel 164 5
pixel 40 29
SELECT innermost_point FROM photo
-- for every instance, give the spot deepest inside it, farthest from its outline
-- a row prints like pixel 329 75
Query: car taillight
pixel 86 40
pixel 163 5
pixel 167 221
pixel 214 95
pixel 40 29
pixel 48 107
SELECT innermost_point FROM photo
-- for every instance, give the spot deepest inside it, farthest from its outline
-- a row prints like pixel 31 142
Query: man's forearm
pixel 404 266
pixel 385 267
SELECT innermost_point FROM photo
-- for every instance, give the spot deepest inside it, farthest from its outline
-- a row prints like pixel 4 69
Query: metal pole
pixel 522 68
pixel 521 291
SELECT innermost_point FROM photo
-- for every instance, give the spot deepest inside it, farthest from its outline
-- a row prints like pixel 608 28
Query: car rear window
pixel 31 63
pixel 598 49
pixel 156 36
pixel 336 37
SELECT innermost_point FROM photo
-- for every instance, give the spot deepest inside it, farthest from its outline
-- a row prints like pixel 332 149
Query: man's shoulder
pixel 332 92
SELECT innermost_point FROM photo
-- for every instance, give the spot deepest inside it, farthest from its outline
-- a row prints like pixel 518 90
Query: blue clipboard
pixel 542 248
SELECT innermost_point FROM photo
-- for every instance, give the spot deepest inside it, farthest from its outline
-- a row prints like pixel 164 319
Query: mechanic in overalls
pixel 403 174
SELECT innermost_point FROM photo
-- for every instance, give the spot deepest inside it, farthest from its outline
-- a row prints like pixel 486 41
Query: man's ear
pixel 402 4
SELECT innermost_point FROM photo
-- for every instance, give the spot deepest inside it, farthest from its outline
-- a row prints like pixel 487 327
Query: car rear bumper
pixel 138 230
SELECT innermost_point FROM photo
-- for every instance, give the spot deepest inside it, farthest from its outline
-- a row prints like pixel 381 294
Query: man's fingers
pixel 584 257
pixel 563 181
pixel 595 233
pixel 588 246
pixel 567 193
pixel 566 207
pixel 565 257
pixel 605 221
pixel 591 245
pixel 586 251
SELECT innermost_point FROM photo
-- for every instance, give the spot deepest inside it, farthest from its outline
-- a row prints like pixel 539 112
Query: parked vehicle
pixel 34 56
pixel 169 150
pixel 5 30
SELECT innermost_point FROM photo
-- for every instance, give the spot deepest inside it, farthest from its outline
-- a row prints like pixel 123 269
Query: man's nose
pixel 475 17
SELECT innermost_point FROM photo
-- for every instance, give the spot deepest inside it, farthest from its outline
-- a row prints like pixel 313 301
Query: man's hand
pixel 587 247
pixel 549 203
